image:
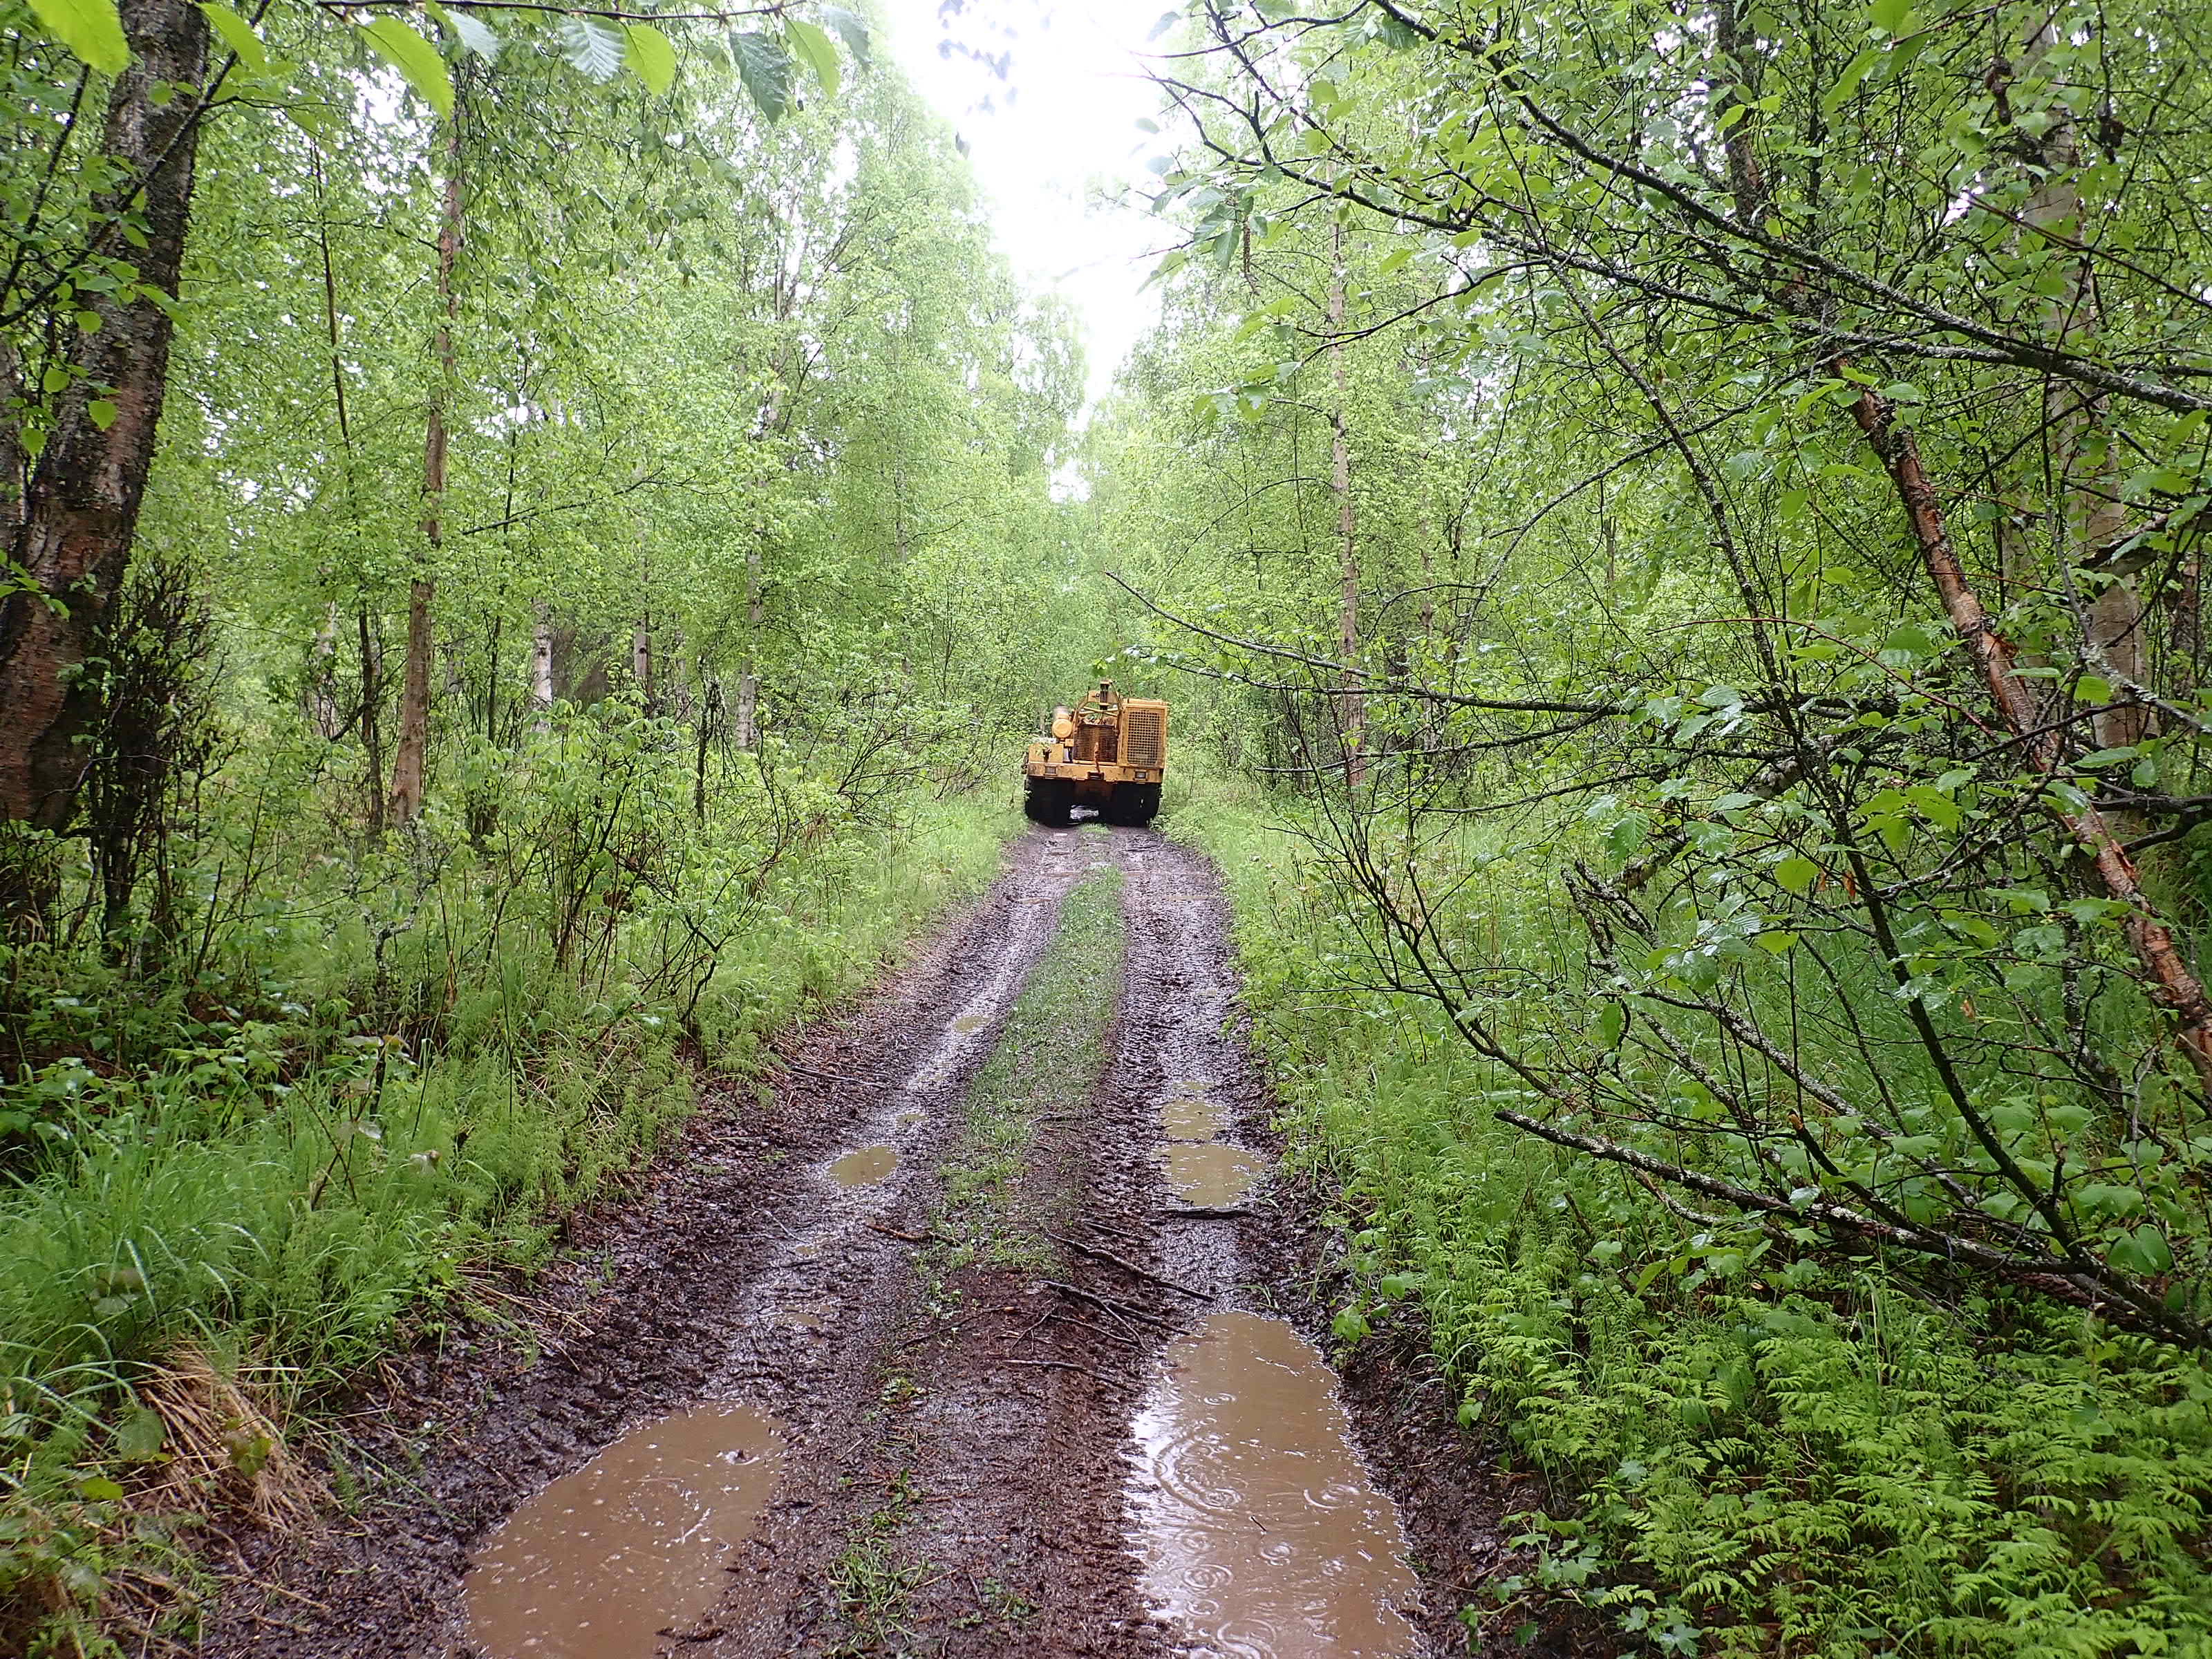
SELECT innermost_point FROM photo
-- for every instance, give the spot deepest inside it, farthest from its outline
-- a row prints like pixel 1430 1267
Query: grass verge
pixel 206 1242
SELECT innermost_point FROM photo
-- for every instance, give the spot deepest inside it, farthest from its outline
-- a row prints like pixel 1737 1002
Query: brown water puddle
pixel 602 1560
pixel 1188 1114
pixel 1260 1534
pixel 1210 1174
pixel 865 1167
pixel 968 1024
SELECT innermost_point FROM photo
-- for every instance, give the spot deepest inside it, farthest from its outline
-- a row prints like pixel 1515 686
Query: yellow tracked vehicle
pixel 1107 753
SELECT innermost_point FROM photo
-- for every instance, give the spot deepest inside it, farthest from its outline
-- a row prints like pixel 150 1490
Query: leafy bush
pixel 1772 1450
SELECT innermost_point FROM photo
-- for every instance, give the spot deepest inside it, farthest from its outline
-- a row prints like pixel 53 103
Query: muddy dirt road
pixel 986 1330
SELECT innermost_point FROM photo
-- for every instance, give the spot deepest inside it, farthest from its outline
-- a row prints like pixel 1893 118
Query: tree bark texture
pixel 410 756
pixel 2173 983
pixel 79 509
pixel 541 667
pixel 1354 717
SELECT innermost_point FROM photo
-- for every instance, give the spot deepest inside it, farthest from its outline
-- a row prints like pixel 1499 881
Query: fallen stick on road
pixel 893 1232
pixel 1104 1304
pixel 837 1077
pixel 1128 1266
pixel 1190 1214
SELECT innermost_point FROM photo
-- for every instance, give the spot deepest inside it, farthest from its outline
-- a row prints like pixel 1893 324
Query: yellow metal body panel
pixel 1105 740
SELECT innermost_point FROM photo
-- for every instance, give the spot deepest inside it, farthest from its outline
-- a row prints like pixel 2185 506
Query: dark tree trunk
pixel 80 510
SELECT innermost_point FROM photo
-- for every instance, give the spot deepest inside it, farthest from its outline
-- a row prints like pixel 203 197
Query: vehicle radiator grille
pixel 1147 733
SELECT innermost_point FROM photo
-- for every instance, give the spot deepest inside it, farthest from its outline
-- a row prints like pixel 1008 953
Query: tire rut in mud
pixel 668 1294
pixel 959 1476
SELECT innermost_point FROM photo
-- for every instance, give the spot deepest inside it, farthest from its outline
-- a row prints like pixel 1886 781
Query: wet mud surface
pixel 1060 1455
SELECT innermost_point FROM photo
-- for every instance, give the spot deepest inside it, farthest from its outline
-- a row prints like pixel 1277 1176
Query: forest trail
pixel 972 1368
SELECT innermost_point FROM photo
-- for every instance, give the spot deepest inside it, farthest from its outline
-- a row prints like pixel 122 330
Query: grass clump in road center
pixel 1046 1063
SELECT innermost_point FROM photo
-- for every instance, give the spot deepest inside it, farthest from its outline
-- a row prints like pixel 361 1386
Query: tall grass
pixel 387 1079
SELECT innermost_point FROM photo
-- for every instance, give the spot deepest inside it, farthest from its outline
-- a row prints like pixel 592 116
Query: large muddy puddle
pixel 1210 1173
pixel 603 1560
pixel 1260 1534
pixel 1201 1167
pixel 1190 1114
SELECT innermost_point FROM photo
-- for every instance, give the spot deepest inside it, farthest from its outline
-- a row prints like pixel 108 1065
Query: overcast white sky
pixel 1066 135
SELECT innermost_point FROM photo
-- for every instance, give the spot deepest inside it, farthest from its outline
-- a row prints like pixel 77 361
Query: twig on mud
pixel 1105 1303
pixel 893 1232
pixel 1195 1213
pixel 1085 1326
pixel 1057 1365
pixel 1098 1226
pixel 837 1077
pixel 1093 1251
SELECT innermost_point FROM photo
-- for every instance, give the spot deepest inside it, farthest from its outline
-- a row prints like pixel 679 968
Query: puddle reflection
pixel 597 1564
pixel 865 1167
pixel 1261 1536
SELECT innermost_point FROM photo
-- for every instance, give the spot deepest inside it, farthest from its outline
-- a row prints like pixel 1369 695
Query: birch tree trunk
pixel 410 756
pixel 79 512
pixel 541 667
pixel 2086 510
pixel 1353 704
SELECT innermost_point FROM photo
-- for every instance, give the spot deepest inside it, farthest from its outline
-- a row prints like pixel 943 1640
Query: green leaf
pixel 1797 874
pixel 650 58
pixel 1611 1022
pixel 90 29
pixel 592 49
pixel 765 69
pixel 812 47
pixel 139 1435
pixel 2144 1251
pixel 1913 639
pixel 102 413
pixel 2090 687
pixel 1933 805
pixel 99 1489
pixel 316 122
pixel 1889 15
pixel 1848 82
pixel 238 35
pixel 413 57
pixel 850 27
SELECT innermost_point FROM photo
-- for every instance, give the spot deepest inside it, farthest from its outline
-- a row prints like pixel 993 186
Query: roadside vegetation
pixel 1684 528
pixel 573 620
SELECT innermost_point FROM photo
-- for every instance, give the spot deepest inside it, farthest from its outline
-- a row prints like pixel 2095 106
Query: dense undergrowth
pixel 1770 1454
pixel 383 1077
